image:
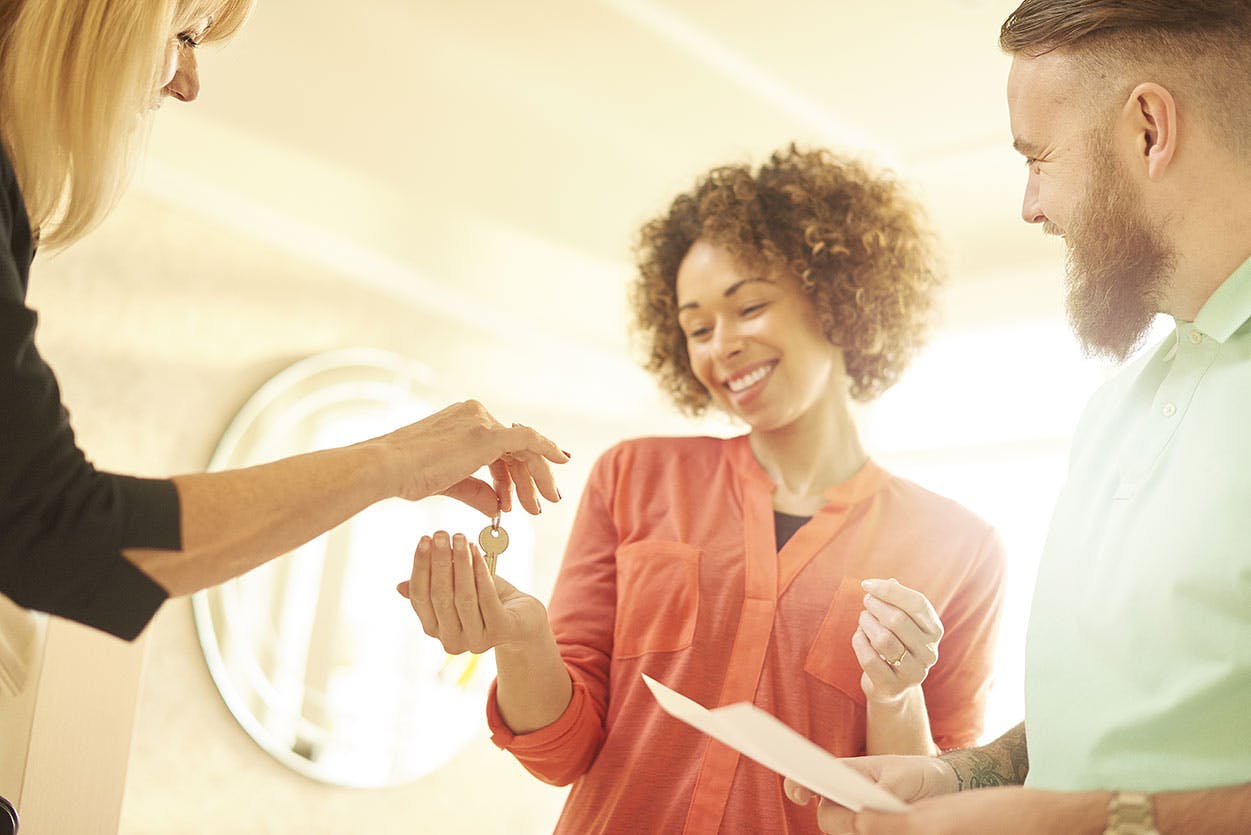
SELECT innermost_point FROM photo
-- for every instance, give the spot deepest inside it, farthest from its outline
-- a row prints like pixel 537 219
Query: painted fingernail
pixel 567 453
pixel 558 496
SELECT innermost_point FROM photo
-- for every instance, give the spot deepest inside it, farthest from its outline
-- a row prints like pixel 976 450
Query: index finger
pixel 520 438
pixel 503 483
pixel 915 604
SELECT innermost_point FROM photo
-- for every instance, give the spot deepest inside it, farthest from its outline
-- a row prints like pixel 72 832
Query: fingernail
pixel 567 453
pixel 558 496
pixel 870 585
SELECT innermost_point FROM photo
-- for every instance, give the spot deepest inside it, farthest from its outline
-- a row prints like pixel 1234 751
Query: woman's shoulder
pixel 665 447
pixel 933 508
pixel 668 454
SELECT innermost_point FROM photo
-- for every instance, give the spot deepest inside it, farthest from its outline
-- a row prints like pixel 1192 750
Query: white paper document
pixel 770 742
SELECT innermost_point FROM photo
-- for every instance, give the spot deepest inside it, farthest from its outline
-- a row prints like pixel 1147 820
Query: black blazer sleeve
pixel 63 524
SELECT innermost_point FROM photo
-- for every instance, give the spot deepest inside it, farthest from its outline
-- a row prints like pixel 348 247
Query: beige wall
pixel 160 326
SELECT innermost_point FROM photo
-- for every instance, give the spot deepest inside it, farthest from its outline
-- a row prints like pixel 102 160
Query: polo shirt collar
pixel 1229 308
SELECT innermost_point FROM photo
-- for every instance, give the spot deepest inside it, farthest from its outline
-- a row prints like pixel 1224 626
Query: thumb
pixel 476 493
pixel 402 588
pixel 504 587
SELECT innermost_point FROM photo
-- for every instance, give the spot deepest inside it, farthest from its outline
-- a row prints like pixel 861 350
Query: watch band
pixel 1130 813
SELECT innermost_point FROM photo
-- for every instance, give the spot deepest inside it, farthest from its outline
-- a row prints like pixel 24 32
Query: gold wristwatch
pixel 1129 813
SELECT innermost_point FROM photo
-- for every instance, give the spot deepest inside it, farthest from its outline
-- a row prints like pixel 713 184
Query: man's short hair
pixel 1199 49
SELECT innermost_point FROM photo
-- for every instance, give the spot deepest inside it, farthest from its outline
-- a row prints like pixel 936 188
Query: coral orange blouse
pixel 672 570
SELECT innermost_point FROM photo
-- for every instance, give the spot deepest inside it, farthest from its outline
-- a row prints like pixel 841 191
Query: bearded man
pixel 1135 121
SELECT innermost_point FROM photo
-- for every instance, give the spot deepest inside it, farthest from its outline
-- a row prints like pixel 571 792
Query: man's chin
pixel 1114 341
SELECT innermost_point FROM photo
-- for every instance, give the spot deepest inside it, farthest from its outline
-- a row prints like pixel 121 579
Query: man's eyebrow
pixel 730 291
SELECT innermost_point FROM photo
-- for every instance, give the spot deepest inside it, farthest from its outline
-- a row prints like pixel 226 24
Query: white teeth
pixel 738 384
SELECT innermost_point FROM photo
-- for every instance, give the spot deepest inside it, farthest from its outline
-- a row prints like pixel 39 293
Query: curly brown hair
pixel 854 240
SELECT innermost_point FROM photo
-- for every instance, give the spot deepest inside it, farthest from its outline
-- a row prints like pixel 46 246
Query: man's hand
pixel 1009 810
pixel 908 778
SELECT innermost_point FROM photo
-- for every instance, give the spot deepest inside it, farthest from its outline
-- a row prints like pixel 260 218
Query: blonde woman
pixel 78 82
pixel 782 567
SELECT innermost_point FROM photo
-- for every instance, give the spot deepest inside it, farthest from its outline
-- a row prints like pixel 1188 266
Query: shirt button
pixel 1196 338
pixel 1169 410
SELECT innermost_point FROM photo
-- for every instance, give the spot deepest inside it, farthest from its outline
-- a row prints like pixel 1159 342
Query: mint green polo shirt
pixel 1138 652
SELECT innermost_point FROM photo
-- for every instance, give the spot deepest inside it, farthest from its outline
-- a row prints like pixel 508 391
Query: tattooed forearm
pixel 1004 762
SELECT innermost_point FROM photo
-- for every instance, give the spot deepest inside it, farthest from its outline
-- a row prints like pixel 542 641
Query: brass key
pixel 494 541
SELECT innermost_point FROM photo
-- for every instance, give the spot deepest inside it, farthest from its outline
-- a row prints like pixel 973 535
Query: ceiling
pixel 495 159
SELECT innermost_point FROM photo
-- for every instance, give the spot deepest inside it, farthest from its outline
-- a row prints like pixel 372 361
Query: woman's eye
pixel 753 309
pixel 698 333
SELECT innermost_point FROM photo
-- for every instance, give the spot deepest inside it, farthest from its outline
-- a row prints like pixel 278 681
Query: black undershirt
pixel 785 525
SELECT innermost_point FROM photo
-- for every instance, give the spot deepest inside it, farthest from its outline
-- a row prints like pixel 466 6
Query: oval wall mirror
pixel 314 653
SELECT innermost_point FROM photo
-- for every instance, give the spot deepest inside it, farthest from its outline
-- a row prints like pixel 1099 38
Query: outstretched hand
pixel 441 453
pixel 459 602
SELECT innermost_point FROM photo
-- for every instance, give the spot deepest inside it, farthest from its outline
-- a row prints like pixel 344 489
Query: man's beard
pixel 1119 265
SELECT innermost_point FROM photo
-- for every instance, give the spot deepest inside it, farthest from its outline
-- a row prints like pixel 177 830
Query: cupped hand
pixel 897 640
pixel 461 604
pixel 908 778
pixel 440 454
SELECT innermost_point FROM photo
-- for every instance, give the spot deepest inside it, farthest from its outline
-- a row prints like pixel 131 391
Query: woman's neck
pixel 807 457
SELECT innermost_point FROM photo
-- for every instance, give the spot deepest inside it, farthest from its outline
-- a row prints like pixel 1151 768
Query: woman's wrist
pixel 536 643
pixel 899 702
pixel 380 475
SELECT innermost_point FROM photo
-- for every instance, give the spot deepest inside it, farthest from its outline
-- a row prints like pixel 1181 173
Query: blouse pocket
pixel 831 658
pixel 657 597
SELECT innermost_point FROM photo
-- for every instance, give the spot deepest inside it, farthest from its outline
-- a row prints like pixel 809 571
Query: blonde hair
pixel 77 79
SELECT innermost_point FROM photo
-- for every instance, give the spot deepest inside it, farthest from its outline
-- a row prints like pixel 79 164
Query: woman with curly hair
pixel 750 568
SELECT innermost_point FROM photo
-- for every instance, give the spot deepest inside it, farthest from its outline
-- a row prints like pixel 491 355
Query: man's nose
pixel 1031 211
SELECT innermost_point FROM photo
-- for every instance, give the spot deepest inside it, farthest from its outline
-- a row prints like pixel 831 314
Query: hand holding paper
pixel 768 741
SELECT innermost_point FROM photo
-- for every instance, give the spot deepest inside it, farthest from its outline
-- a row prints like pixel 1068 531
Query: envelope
pixel 765 739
